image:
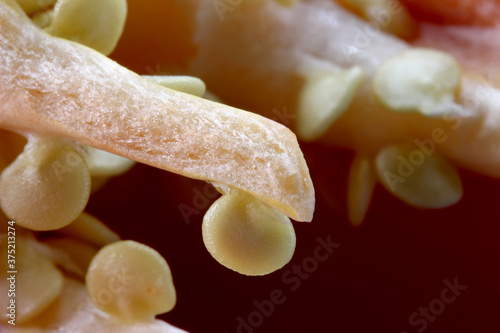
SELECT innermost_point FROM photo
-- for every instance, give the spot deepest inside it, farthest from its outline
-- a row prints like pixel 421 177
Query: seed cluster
pixel 86 276
pixel 352 77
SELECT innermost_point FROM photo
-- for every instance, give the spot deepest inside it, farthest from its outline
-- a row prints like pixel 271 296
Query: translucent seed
pixel 419 179
pixel 130 281
pixel 325 96
pixel 97 24
pixel 46 187
pixel 417 80
pixel 186 84
pixel 361 183
pixel 104 164
pixel 38 282
pixel 247 236
pixel 89 229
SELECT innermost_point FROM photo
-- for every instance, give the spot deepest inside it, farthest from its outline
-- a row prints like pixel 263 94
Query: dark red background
pixel 382 272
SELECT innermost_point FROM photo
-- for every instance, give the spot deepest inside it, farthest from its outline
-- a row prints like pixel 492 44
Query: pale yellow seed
pixel 130 281
pixel 246 235
pixel 420 178
pixel 91 230
pixel 80 253
pixel 324 97
pixel 418 80
pixel 104 164
pixel 52 177
pixel 361 183
pixel 37 284
pixel 97 24
pixel 186 84
pixel 74 312
pixel 60 258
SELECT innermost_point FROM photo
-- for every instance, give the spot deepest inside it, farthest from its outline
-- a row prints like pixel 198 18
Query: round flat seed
pixel 419 179
pixel 38 282
pixel 130 281
pixel 52 177
pixel 324 98
pixel 417 80
pixel 97 24
pixel 74 312
pixel 247 236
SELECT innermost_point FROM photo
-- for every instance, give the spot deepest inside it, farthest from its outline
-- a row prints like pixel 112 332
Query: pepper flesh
pixel 55 87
